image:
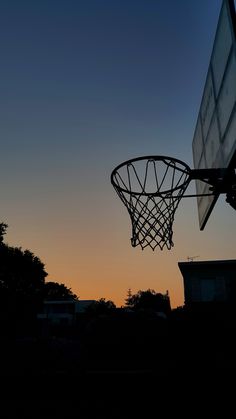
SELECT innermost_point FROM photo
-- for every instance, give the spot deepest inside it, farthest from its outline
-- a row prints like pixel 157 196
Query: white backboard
pixel 214 141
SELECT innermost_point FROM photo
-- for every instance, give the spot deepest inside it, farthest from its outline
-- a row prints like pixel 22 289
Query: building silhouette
pixel 209 282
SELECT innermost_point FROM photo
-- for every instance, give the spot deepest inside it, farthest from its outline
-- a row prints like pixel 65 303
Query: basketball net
pixel 151 188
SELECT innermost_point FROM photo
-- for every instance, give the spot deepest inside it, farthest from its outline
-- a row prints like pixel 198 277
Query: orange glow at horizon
pixel 99 262
pixel 104 265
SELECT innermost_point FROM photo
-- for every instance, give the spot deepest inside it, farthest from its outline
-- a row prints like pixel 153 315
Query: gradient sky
pixel 85 85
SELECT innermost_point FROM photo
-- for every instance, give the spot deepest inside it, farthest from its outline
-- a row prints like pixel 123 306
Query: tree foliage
pixel 22 278
pixel 22 274
pixel 23 287
pixel 149 300
pixel 101 307
pixel 3 229
pixel 56 291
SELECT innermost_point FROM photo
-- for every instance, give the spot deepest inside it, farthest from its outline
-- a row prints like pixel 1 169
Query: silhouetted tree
pixel 56 291
pixel 23 287
pixel 3 228
pixel 129 296
pixel 22 273
pixel 101 307
pixel 22 278
pixel 149 300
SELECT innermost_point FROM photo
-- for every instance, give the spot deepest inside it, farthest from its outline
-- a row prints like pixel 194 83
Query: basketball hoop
pixel 151 187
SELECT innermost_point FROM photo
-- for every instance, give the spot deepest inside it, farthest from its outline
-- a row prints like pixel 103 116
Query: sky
pixel 84 86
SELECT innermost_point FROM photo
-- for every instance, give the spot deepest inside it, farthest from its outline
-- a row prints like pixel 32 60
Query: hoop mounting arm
pixel 222 180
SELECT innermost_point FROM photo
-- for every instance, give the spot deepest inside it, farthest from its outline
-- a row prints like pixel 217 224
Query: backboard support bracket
pixel 222 181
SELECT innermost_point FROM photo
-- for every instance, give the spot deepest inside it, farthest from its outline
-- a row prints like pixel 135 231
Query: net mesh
pixel 151 188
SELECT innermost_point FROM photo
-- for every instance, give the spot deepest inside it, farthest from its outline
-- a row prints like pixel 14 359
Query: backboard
pixel 214 141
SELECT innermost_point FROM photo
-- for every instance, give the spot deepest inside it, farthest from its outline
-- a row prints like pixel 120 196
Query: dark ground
pixel 186 369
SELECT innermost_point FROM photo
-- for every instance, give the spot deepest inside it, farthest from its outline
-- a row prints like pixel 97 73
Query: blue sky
pixel 84 86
